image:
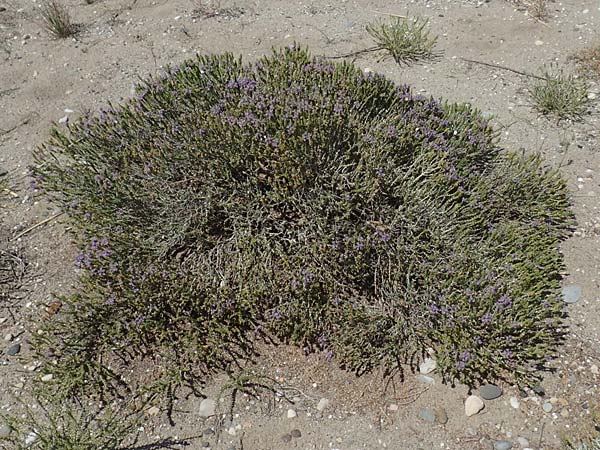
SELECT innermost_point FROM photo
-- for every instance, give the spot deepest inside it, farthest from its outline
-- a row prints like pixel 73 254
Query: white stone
pixel 538 42
pixel 31 438
pixel 523 442
pixel 427 366
pixel 473 405
pixel 291 413
pixel 514 402
pixel 47 377
pixel 153 411
pixel 591 96
pixel 323 404
pixel 393 407
pixel 63 119
pixel 425 379
pixel 207 407
pixel 594 369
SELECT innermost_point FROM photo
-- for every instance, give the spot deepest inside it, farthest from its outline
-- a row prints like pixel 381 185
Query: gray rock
pixel 208 432
pixel 547 407
pixel 5 430
pixel 286 438
pixel 427 366
pixel 524 443
pixel 427 415
pixel 322 405
pixel 502 445
pixel 13 349
pixel 296 433
pixel 205 444
pixel 490 391
pixel 207 407
pixel 539 390
pixel 571 293
pixel 425 379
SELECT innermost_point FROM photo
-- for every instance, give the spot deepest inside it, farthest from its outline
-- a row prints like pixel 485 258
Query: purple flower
pixel 487 318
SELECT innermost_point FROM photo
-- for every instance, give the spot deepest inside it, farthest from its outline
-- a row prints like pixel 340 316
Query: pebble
pixel 286 438
pixel 547 407
pixel 523 442
pixel 473 405
pixel 296 433
pixel 539 390
pixel 153 411
pixel 427 366
pixel 8 337
pixel 490 391
pixel 441 416
pixel 514 402
pixel 425 379
pixel 594 369
pixel 591 96
pixel 322 405
pixel 31 438
pixel 291 413
pixel 571 293
pixel 207 407
pixel 63 119
pixel 205 444
pixel 427 415
pixel 5 430
pixel 13 349
pixel 538 43
pixel 393 407
pixel 47 377
pixel 502 445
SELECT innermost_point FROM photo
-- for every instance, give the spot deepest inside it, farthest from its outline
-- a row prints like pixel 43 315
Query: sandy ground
pixel 120 41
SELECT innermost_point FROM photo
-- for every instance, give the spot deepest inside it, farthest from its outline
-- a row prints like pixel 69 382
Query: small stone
pixel 473 405
pixel 427 415
pixel 502 445
pixel 231 431
pixel 564 413
pixel 13 349
pixel 523 442
pixel 208 432
pixel 393 407
pixel 63 119
pixel 367 70
pixel 291 413
pixel 286 438
pixel 539 390
pixel 31 438
pixel 538 42
pixel 296 433
pixel 490 391
pixel 514 402
pixel 425 379
pixel 8 337
pixel 427 366
pixel 19 385
pixel 3 319
pixel 594 369
pixel 69 110
pixel 5 430
pixel 47 377
pixel 207 407
pixel 153 411
pixel 571 293
pixel 591 96
pixel 547 407
pixel 322 405
pixel 441 416
pixel 205 444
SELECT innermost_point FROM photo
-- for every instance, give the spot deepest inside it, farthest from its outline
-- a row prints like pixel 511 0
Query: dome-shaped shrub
pixel 310 201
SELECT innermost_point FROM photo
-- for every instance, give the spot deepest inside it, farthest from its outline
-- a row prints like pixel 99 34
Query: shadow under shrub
pixel 305 200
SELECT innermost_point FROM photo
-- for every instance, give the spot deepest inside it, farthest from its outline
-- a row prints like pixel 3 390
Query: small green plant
pixel 71 426
pixel 406 40
pixel 560 94
pixel 57 19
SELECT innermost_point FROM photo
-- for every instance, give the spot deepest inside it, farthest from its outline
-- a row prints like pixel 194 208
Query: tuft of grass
pixel 71 426
pixel 588 60
pixel 538 9
pixel 303 200
pixel 560 94
pixel 406 40
pixel 56 19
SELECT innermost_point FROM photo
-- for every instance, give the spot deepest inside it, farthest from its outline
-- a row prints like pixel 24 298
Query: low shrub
pixel 307 201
